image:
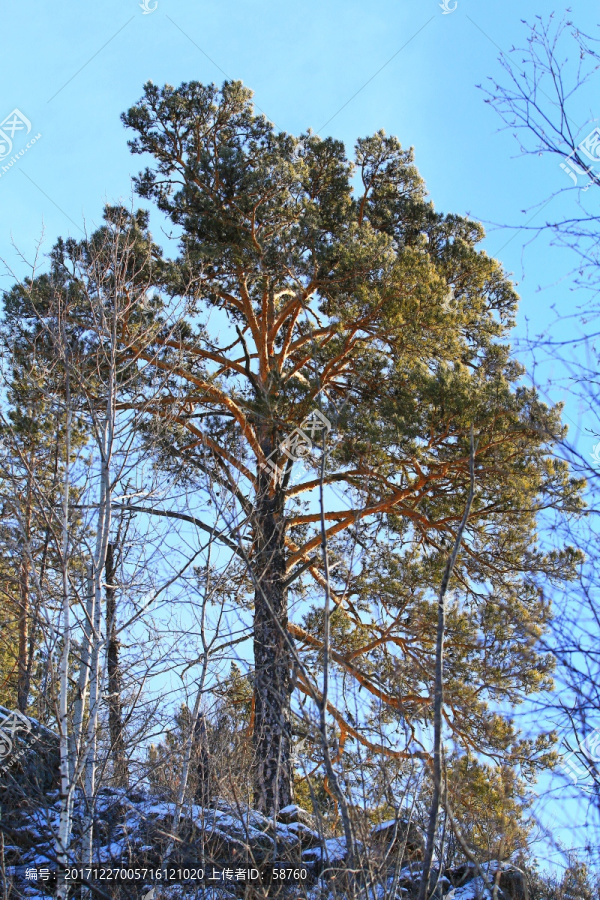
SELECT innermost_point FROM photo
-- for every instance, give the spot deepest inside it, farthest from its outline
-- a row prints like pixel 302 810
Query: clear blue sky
pixel 343 68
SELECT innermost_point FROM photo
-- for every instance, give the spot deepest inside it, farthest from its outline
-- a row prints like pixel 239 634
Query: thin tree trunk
pixel 79 706
pixel 272 681
pixel 197 716
pixel 114 682
pixel 66 784
pixel 96 675
pixel 91 753
pixel 351 861
pixel 203 765
pixel 23 667
pixel 439 687
pixel 187 756
pixel 23 653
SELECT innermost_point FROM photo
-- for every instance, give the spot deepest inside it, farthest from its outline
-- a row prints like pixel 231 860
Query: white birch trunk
pixel 105 435
pixel 66 767
pixel 79 706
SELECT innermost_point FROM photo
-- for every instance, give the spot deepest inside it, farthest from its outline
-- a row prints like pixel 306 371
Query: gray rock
pixel 398 834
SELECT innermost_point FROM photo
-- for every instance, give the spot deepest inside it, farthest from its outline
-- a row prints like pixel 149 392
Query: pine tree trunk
pixel 113 666
pixel 272 685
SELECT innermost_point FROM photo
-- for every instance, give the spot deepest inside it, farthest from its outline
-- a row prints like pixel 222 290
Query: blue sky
pixel 342 68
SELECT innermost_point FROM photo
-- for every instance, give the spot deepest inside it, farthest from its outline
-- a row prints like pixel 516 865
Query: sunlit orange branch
pixel 375 748
pixel 388 699
pixel 212 393
pixel 349 517
pixel 206 441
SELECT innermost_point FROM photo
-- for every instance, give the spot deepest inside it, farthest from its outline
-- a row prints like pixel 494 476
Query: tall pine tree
pixel 321 282
pixel 372 306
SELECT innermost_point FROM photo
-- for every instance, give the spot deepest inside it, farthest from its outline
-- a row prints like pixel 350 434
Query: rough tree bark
pixel 114 681
pixel 272 681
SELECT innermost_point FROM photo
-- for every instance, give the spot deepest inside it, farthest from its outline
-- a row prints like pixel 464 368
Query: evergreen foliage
pixel 342 287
